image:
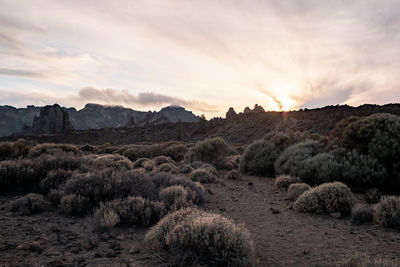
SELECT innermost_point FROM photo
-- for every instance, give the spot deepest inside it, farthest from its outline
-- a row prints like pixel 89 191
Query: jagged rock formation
pixel 13 120
pixel 258 108
pixel 246 110
pixel 231 113
pixel 52 120
pixel 176 113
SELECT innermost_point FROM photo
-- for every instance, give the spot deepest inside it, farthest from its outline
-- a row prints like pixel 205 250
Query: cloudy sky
pixel 206 55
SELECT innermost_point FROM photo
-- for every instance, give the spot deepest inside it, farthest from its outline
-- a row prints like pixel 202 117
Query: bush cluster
pixel 72 204
pixel 28 204
pixel 13 150
pixel 283 181
pixel 326 199
pixel 212 150
pixel 297 189
pixel 176 197
pixel 53 148
pixel 190 237
pixel 387 212
pixel 203 176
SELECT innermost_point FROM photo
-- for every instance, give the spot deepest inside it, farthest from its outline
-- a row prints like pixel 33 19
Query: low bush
pixel 105 217
pixel 387 212
pixel 55 196
pixel 52 149
pixel 233 175
pixel 190 237
pixel 230 162
pixel 372 195
pixel 211 150
pixel 162 160
pixel 365 261
pixel 175 197
pixel 147 164
pixel 326 199
pixel 186 169
pixel 283 181
pixel 88 148
pixel 13 150
pixel 168 167
pixel 202 176
pixel 258 159
pixel 210 168
pixel 115 161
pixel 175 151
pixel 72 204
pixel 361 213
pixel 18 176
pixel 297 189
pixel 54 179
pixel 28 204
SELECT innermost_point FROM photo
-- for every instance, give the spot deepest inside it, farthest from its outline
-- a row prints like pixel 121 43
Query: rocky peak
pixel 231 113
pixel 52 120
pixel 246 110
pixel 258 108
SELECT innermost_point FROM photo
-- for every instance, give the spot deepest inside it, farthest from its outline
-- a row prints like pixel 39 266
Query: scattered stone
pixel 305 252
pixel 274 210
pixel 35 247
pixel 55 229
pixel 290 207
pixel 111 254
pixel 120 237
pixel 222 209
pixel 250 184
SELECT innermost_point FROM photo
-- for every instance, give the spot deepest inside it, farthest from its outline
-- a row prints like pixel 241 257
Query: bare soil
pixel 282 236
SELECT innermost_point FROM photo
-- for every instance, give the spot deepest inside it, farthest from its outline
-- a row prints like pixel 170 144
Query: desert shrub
pixel 377 137
pixel 13 150
pixel 105 217
pixel 361 213
pixel 230 162
pixel 297 189
pixel 17 176
pixel 55 196
pixel 338 132
pixel 387 212
pixel 53 148
pixel 186 169
pixel 359 260
pixel 233 175
pixel 176 151
pixel 147 164
pixel 162 160
pixel 372 195
pixel 134 152
pixel 175 197
pixel 196 164
pixel 325 199
pixel 190 237
pixel 114 161
pixel 61 160
pixel 138 211
pixel 202 176
pixel 54 179
pixel 211 150
pixel 168 167
pixel 283 181
pixel 88 148
pixel 195 189
pixel 72 204
pixel 28 204
pixel 258 159
pixel 210 168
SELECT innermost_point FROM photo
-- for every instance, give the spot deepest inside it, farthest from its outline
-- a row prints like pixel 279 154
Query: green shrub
pixel 387 212
pixel 191 237
pixel 30 203
pixel 168 167
pixel 138 211
pixel 283 181
pixel 211 150
pixel 365 261
pixel 175 151
pixel 72 204
pixel 297 189
pixel 325 199
pixel 52 149
pixel 258 159
pixel 202 176
pixel 175 197
pixel 361 213
pixel 105 217
pixel 233 175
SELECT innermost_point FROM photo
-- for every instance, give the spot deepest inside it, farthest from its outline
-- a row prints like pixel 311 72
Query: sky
pixel 205 55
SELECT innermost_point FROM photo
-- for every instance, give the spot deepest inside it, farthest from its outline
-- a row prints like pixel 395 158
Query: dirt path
pixel 289 238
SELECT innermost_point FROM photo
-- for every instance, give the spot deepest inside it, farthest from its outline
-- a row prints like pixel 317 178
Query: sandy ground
pixel 283 238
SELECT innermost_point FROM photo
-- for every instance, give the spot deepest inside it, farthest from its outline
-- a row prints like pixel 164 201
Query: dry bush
pixel 365 261
pixel 18 176
pixel 105 217
pixel 175 151
pixel 147 164
pixel 55 196
pixel 13 150
pixel 137 151
pixel 162 160
pixel 230 162
pixel 114 161
pixel 372 195
pixel 202 176
pixel 54 179
pixel 387 212
pixel 361 213
pixel 168 167
pixel 258 159
pixel 190 237
pixel 297 189
pixel 210 168
pixel 88 148
pixel 30 203
pixel 53 148
pixel 211 150
pixel 72 204
pixel 195 189
pixel 175 197
pixel 233 175
pixel 283 181
pixel 138 211
pixel 186 169
pixel 325 199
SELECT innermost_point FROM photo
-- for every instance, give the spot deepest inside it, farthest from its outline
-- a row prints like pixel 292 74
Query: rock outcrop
pixel 258 108
pixel 231 113
pixel 246 110
pixel 52 120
